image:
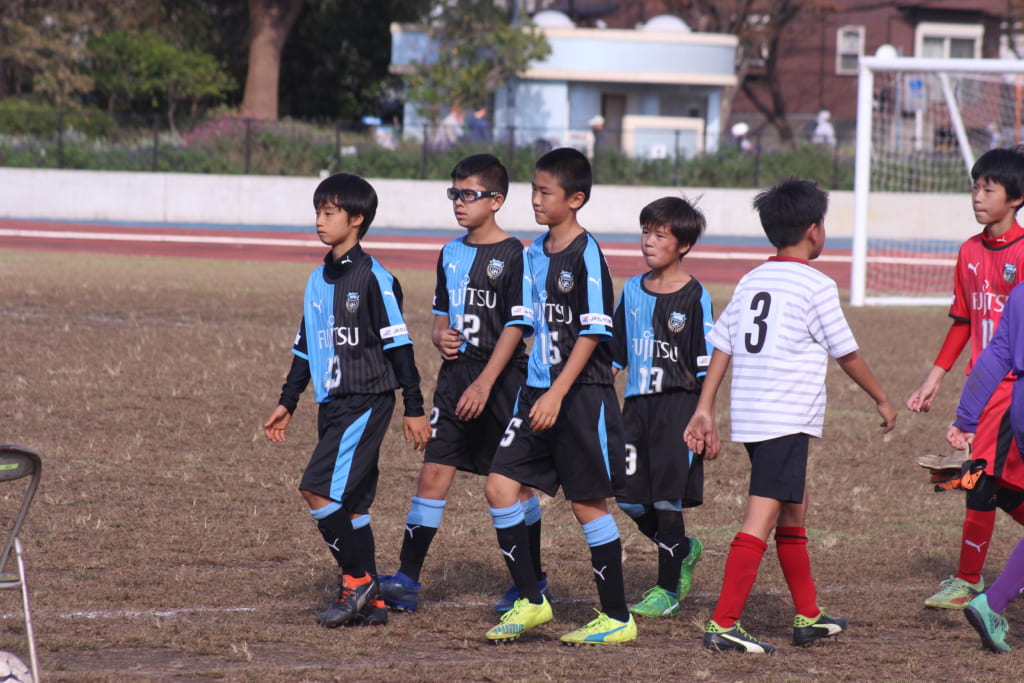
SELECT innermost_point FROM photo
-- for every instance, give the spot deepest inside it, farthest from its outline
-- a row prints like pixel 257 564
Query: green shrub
pixel 30 116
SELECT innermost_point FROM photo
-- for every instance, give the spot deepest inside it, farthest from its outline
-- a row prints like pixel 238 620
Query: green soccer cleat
pixel 604 630
pixel 990 625
pixel 954 594
pixel 523 616
pixel 720 639
pixel 686 571
pixel 807 630
pixel 657 602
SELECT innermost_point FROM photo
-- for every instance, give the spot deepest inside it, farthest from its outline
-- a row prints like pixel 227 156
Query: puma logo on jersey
pixel 973 267
pixel 317 305
pixel 976 546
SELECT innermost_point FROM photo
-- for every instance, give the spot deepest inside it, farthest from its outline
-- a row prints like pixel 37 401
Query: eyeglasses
pixel 469 195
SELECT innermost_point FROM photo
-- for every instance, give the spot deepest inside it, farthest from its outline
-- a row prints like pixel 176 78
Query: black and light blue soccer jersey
pixel 659 338
pixel 352 315
pixel 572 296
pixel 481 288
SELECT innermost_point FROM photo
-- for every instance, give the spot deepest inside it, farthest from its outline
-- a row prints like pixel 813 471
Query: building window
pixel 948 41
pixel 849 48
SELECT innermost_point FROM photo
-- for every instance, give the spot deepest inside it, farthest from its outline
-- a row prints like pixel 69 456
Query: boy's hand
pixel 448 343
pixel 921 400
pixel 276 424
pixel 544 413
pixel 700 435
pixel 888 412
pixel 471 403
pixel 958 438
pixel 416 431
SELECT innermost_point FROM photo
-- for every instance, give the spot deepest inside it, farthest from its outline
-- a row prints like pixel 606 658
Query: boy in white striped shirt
pixel 782 324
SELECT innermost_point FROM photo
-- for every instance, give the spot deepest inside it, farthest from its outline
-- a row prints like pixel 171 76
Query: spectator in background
pixel 824 133
pixel 598 136
pixel 450 131
pixel 477 127
pixel 740 137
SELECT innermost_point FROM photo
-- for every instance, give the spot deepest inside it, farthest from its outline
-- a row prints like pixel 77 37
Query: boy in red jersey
pixel 988 266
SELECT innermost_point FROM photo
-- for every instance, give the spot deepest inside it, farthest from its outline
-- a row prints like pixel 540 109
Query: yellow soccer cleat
pixel 602 631
pixel 523 616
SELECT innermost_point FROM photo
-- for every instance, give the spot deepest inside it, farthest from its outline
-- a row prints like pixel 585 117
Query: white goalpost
pixel 921 123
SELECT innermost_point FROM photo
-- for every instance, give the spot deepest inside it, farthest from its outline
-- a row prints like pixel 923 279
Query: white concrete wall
pixel 180 198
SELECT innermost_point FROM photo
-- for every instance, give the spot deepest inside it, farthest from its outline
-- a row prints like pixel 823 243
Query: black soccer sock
pixel 421 525
pixel 340 537
pixel 606 560
pixel 647 523
pixel 364 542
pixel 415 544
pixel 533 531
pixel 514 542
pixel 673 547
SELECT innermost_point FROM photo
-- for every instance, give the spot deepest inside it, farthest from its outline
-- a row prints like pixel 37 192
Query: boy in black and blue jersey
pixel 567 428
pixel 660 323
pixel 482 311
pixel 354 346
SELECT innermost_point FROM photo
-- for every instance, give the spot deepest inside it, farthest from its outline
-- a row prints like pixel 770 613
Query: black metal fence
pixel 97 140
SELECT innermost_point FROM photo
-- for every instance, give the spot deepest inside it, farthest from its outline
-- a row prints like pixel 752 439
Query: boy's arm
pixel 475 397
pixel 544 412
pixel 415 426
pixel 294 385
pixel 857 369
pixel 447 340
pixel 956 339
pixel 700 433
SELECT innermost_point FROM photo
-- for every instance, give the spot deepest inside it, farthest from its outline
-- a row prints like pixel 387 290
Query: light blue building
pixel 658 88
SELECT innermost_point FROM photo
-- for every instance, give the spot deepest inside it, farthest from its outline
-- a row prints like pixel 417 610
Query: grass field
pixel 169 540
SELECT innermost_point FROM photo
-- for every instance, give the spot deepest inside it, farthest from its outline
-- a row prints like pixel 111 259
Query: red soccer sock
pixel 977 533
pixel 741 565
pixel 791 545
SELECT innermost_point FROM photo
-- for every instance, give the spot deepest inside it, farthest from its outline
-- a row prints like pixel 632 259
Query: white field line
pixel 711 255
pixel 189 611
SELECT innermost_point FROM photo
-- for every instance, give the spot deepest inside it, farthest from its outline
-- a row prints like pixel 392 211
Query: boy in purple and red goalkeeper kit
pixel 1004 354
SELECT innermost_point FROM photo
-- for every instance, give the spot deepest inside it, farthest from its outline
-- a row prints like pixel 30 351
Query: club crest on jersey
pixel 352 302
pixel 676 321
pixel 1009 273
pixel 566 281
pixel 494 268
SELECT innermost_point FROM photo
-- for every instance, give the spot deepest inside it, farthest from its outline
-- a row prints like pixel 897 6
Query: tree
pixel 478 50
pixel 129 67
pixel 270 21
pixel 760 27
pixel 51 46
pixel 336 62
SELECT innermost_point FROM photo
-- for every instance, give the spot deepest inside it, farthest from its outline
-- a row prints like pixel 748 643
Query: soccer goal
pixel 920 125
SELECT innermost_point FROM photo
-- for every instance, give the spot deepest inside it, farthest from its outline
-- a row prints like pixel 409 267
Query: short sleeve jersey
pixel 572 296
pixel 481 288
pixel 352 315
pixel 986 271
pixel 782 324
pixel 660 338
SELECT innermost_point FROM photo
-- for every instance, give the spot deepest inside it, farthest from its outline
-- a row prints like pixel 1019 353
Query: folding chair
pixel 17 462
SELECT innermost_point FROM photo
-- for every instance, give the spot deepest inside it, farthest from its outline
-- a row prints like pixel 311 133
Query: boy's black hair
pixel 487 168
pixel 570 168
pixel 350 192
pixel 1004 166
pixel 684 220
pixel 788 208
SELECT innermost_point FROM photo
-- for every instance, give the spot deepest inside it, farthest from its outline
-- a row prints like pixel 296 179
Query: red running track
pixel 709 263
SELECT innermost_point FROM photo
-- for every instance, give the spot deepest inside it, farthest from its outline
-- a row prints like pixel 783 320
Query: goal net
pixel 921 123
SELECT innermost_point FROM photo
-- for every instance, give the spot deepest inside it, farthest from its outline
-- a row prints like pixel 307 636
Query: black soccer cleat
pixel 352 598
pixel 806 631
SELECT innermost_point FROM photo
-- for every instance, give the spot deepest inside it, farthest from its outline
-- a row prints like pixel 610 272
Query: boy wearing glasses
pixel 481 315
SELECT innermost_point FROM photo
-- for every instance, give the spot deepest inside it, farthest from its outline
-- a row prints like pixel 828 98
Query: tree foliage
pixel 478 50
pixel 336 61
